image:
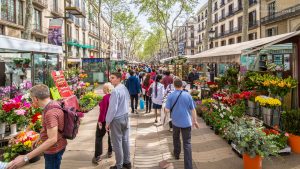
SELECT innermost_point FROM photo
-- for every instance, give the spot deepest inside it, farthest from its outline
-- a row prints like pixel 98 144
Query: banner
pixel 61 84
pixel 55 32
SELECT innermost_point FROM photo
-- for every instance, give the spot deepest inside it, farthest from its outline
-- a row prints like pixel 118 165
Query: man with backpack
pixel 53 140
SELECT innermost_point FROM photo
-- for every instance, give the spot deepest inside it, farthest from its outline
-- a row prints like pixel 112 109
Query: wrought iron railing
pixel 284 14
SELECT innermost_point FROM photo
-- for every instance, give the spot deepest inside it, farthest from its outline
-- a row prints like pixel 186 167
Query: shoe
pixel 132 112
pixel 127 166
pixel 155 121
pixel 109 154
pixel 113 167
pixel 136 112
pixel 170 130
pixel 176 157
pixel 95 160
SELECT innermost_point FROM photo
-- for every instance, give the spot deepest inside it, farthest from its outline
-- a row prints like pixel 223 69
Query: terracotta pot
pixel 252 163
pixel 294 142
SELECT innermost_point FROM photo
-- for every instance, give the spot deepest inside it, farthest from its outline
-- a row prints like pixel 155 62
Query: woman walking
pixel 157 95
pixel 146 86
pixel 100 130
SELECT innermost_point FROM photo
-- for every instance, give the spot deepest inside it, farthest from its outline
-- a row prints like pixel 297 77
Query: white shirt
pixel 160 93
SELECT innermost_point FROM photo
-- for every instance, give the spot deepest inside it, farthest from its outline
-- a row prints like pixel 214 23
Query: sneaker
pixel 170 130
pixel 136 112
pixel 132 112
pixel 95 160
pixel 109 154
pixel 127 166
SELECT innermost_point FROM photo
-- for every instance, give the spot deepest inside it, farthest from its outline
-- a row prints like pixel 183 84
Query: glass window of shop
pixel 44 64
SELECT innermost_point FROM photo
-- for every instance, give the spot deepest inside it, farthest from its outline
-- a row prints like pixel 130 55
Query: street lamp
pixel 211 34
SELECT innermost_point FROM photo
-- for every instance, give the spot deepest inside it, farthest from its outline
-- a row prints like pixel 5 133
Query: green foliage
pixel 89 101
pixel 152 43
pixel 250 138
pixel 13 151
pixel 291 121
pixel 238 110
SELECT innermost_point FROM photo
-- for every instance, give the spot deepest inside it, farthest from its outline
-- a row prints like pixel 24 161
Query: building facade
pixel 279 17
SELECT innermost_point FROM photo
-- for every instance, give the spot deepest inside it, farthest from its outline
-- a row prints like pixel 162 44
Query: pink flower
pixel 26 105
pixel 20 112
pixel 286 134
pixel 17 99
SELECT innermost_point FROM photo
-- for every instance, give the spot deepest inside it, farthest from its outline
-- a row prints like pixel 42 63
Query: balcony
pixel 282 15
pixel 222 18
pixel 57 12
pixel 77 22
pixel 230 13
pixel 222 3
pixel 40 3
pixel 253 24
pixel 39 30
pixel 76 10
pixel 238 9
pixel 199 42
pixel 215 21
pixel 70 17
pixel 229 32
pixel 252 2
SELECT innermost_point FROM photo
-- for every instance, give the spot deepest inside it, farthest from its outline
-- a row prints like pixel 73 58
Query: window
pixel 240 5
pixel 252 36
pixel 12 10
pixel 206 13
pixel 1 30
pixel 222 29
pixel 192 52
pixel 38 39
pixel 252 18
pixel 216 44
pixel 198 18
pixel 230 9
pixel 216 17
pixel 231 26
pixel 271 8
pixel 192 44
pixel 55 5
pixel 192 35
pixel 223 42
pixel 231 41
pixel 77 34
pixel 69 32
pixel 240 22
pixel 239 39
pixel 251 2
pixel 199 27
pixel 271 32
pixel 216 6
pixel 37 20
pixel 223 13
pixel 222 2
pixel 216 31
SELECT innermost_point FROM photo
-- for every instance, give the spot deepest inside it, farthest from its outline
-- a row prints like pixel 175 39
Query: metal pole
pixel 99 17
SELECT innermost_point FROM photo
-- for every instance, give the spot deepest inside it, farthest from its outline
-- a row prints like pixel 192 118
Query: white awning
pixel 74 60
pixel 239 48
pixel 174 57
pixel 11 44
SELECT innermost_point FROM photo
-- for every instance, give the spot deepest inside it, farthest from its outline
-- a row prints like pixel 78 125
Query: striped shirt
pixel 52 118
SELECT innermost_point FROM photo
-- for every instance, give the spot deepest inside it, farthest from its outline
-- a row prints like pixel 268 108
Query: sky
pixel 143 19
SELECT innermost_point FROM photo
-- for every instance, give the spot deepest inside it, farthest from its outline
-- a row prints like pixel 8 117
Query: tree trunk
pixel 28 20
pixel 110 34
pixel 208 26
pixel 245 20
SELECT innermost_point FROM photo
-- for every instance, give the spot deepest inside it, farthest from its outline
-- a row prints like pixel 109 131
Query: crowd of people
pixel 161 91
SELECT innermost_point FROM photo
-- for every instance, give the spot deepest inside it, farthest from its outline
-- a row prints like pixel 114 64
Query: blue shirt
pixel 118 103
pixel 181 114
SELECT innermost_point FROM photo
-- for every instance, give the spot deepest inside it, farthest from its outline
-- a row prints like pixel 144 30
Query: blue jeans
pixel 52 161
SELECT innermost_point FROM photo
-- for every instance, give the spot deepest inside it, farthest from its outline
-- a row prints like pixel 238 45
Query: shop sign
pixel 61 84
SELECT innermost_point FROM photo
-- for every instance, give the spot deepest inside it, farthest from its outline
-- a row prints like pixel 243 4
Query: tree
pixel 28 19
pixel 246 20
pixel 110 9
pixel 165 13
pixel 152 43
pixel 208 26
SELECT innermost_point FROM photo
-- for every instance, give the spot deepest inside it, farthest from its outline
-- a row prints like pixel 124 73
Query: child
pixel 100 130
pixel 157 95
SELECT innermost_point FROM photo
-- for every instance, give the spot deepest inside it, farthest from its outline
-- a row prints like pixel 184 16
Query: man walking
pixel 54 144
pixel 134 87
pixel 192 77
pixel 183 115
pixel 118 123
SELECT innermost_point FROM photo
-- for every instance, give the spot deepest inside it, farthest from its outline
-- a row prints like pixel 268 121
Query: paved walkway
pixel 151 144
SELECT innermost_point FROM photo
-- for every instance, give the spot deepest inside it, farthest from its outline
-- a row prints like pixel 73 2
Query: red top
pixel 53 118
pixel 147 87
pixel 167 80
pixel 153 74
pixel 103 108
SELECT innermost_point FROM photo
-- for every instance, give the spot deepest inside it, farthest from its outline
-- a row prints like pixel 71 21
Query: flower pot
pixel 251 108
pixel 26 65
pixel 13 129
pixel 252 163
pixel 294 142
pixel 2 129
pixel 267 115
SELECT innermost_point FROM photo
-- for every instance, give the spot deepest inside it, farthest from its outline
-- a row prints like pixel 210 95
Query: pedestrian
pixel 167 79
pixel 146 86
pixel 157 95
pixel 153 74
pixel 183 113
pixel 134 87
pixel 54 144
pixel 100 129
pixel 192 77
pixel 117 122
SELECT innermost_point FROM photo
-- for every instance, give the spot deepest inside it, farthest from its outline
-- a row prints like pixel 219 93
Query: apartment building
pixel 279 17
pixel 104 38
pixel 185 38
pixel 227 22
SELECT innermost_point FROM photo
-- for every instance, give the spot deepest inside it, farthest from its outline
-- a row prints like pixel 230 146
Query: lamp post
pixel 211 35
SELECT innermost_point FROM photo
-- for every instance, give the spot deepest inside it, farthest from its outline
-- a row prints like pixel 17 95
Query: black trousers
pixel 134 99
pixel 187 147
pixel 99 140
pixel 148 100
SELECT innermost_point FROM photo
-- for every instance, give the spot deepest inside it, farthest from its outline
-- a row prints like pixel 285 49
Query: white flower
pixel 25 96
pixel 230 117
pixel 222 115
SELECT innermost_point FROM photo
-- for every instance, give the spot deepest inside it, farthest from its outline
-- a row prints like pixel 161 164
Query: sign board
pixel 181 46
pixel 61 84
pixel 55 32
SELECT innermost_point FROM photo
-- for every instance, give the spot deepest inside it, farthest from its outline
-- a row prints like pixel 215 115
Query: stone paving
pixel 151 144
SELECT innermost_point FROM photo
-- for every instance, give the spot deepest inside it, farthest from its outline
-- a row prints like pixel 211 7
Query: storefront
pixel 96 68
pixel 178 66
pixel 24 60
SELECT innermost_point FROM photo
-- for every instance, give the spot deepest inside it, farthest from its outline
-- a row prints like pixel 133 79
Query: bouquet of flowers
pixel 279 138
pixel 268 102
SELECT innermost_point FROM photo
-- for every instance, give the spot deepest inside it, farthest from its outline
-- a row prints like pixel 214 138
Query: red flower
pixel 35 117
pixel 9 106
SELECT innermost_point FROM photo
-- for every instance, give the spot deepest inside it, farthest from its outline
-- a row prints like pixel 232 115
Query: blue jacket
pixel 133 85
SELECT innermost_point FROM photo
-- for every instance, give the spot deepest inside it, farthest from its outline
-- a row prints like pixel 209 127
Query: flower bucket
pixel 252 163
pixel 2 129
pixel 251 108
pixel 13 129
pixel 267 115
pixel 294 142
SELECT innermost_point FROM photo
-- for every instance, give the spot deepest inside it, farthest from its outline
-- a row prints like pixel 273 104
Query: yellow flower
pixel 28 143
pixel 87 84
pixel 266 83
pixel 288 85
pixel 281 84
pixel 273 82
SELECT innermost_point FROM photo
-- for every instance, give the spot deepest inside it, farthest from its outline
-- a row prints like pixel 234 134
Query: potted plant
pixel 18 62
pixel 252 142
pixel 268 104
pixel 291 124
pixel 26 63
